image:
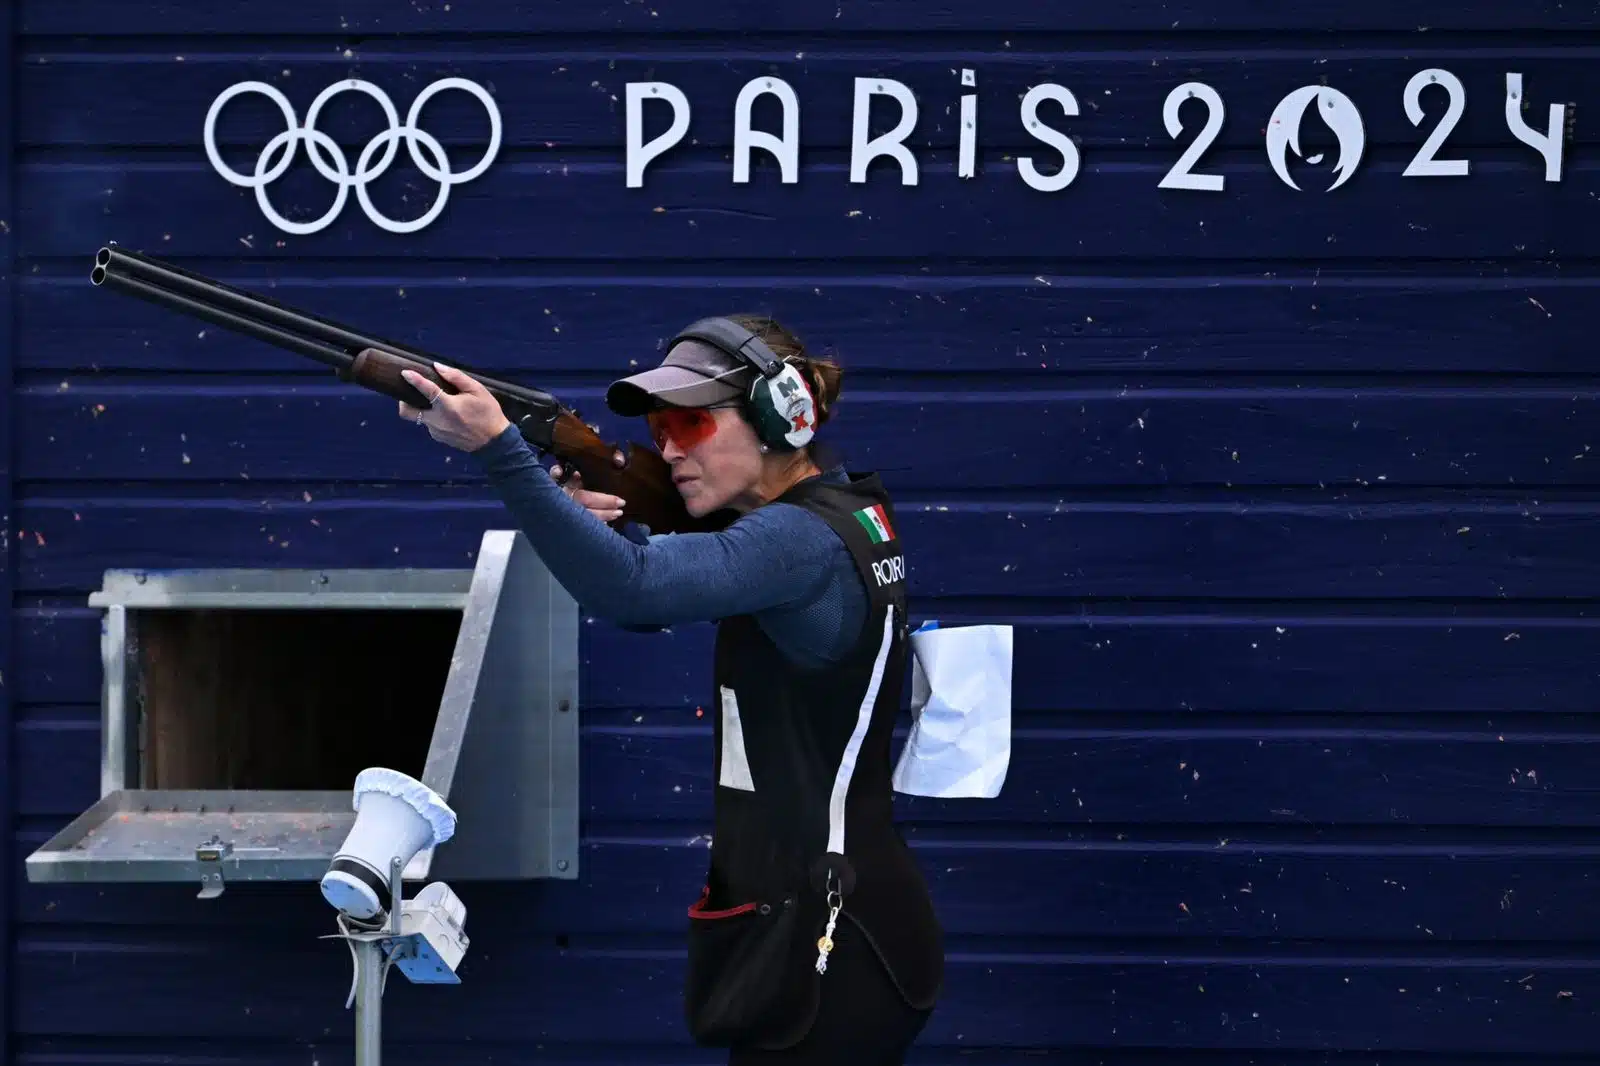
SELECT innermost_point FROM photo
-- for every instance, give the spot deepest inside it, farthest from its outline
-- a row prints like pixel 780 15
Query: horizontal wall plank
pixel 1241 776
pixel 584 211
pixel 889 323
pixel 1209 663
pixel 1089 663
pixel 1494 551
pixel 93 1051
pixel 661 770
pixel 1012 17
pixel 1026 439
pixel 553 97
pixel 74 1051
pixel 60 652
pixel 1002 997
pixel 1396 894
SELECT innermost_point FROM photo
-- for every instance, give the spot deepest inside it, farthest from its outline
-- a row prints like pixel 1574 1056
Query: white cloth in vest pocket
pixel 735 763
pixel 960 741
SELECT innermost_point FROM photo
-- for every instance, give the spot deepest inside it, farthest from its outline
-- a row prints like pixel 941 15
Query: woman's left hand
pixel 467 421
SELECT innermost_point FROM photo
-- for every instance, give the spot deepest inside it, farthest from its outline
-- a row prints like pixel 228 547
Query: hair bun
pixel 824 378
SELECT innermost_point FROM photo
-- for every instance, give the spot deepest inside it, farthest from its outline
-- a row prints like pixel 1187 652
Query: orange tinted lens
pixel 685 427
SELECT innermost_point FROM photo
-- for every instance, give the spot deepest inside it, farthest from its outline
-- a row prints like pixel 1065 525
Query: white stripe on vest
pixel 847 763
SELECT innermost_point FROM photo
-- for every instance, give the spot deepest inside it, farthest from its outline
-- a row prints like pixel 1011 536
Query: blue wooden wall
pixel 1291 497
pixel 8 673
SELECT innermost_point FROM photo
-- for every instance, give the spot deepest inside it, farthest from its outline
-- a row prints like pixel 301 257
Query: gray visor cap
pixel 694 374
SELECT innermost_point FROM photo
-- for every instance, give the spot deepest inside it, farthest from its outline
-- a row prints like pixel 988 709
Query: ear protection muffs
pixel 779 404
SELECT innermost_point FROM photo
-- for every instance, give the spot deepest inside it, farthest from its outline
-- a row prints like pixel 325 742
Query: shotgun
pixel 643 479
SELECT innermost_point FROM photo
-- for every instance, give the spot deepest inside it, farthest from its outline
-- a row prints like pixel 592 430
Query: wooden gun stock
pixel 643 479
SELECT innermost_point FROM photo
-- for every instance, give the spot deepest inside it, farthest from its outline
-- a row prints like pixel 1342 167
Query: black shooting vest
pixel 803 805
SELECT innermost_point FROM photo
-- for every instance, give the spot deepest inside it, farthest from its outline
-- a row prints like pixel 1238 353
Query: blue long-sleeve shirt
pixel 779 563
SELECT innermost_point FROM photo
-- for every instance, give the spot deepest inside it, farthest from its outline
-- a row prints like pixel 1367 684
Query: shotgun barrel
pixel 643 479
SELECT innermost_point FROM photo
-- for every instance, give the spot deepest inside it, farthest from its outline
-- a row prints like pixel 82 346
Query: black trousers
pixel 862 1020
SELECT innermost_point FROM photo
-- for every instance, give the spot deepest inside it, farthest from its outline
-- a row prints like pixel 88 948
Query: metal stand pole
pixel 369 1002
pixel 428 954
pixel 367 944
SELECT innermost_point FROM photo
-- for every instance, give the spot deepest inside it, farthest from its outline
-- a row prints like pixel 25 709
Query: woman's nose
pixel 670 450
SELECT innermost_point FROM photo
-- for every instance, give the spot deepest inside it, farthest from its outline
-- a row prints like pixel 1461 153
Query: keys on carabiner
pixel 825 942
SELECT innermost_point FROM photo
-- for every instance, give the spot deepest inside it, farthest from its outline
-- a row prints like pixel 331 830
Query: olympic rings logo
pixel 335 166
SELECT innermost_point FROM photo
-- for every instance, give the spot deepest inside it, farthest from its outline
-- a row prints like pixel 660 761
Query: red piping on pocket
pixel 698 908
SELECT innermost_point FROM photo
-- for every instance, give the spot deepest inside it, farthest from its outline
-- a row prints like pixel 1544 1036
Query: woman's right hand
pixel 602 505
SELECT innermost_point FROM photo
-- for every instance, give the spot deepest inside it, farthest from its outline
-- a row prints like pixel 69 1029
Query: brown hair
pixel 822 374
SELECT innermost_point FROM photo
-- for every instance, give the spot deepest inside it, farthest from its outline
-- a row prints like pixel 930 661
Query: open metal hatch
pixel 238 707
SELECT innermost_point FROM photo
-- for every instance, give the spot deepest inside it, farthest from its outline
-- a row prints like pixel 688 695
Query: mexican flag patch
pixel 875 520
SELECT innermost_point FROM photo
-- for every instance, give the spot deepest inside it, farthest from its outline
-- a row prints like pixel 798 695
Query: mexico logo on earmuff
pixel 792 399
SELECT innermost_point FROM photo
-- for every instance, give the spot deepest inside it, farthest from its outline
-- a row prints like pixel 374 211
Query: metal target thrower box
pixel 238 706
